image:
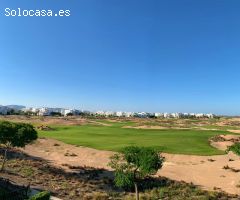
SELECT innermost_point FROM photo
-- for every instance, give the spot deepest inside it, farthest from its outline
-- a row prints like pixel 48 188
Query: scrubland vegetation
pixel 235 148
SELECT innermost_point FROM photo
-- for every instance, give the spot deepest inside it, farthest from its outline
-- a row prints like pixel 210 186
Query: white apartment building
pixel 67 112
pixel 210 115
pixel 199 115
pixel 127 114
pixel 119 114
pixel 158 114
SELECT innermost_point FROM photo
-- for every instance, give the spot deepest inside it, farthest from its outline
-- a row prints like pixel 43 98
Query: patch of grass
pixel 45 195
pixel 27 171
pixel 192 142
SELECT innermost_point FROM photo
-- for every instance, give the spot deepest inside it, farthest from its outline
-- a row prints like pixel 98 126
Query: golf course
pixel 115 136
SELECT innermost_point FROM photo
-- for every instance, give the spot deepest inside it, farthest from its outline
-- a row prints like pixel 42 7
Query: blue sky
pixel 148 55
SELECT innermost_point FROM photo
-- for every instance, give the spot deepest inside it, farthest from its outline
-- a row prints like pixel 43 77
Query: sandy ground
pixel 59 153
pixel 227 141
pixel 234 131
pixel 145 127
pixel 163 127
pixel 205 171
pixel 222 145
pixel 71 120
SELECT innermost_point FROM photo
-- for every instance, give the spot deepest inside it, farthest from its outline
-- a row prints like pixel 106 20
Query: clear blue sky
pixel 132 55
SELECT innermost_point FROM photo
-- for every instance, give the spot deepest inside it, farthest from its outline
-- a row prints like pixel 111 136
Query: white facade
pixel 174 115
pixel 127 114
pixel 166 115
pixel 68 111
pixel 210 115
pixel 119 114
pixel 199 115
pixel 44 112
pixel 158 114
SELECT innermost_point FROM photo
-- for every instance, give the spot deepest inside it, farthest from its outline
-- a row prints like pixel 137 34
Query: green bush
pixel 235 148
pixel 15 135
pixel 45 195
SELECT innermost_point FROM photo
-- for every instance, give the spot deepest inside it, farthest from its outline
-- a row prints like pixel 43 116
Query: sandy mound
pixel 99 123
pixel 222 142
pixel 206 171
pixel 59 153
pixel 145 127
pixel 222 145
pixel 229 122
pixel 233 138
pixel 154 127
pixel 234 131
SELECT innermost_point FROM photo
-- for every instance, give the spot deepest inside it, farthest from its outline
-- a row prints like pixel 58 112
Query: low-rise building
pixel 210 115
pixel 119 114
pixel 158 114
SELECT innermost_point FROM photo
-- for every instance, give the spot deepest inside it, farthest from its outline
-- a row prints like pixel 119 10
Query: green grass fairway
pixel 192 142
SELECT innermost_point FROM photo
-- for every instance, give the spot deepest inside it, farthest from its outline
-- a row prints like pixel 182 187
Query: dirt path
pixel 206 171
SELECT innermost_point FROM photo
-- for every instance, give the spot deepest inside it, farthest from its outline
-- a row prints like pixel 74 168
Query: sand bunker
pixel 163 127
pixel 145 127
pixel 206 171
pixel 222 142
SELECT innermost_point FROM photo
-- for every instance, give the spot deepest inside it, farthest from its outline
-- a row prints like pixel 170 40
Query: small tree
pixel 134 164
pixel 15 135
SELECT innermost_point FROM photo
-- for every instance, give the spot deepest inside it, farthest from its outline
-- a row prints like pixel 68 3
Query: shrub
pixel 235 148
pixel 15 135
pixel 45 195
pixel 133 164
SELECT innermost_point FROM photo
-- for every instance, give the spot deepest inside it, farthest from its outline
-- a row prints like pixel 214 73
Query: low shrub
pixel 235 148
pixel 45 195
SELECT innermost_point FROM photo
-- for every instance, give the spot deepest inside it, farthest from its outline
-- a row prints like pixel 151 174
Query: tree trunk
pixel 136 191
pixel 4 159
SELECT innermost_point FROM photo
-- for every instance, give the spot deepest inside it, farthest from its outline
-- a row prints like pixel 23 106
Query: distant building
pixel 67 112
pixel 119 114
pixel 4 110
pixel 174 115
pixel 166 115
pixel 44 111
pixel 158 114
pixel 141 114
pixel 109 113
pixel 199 115
pixel 127 114
pixel 101 113
pixel 210 115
